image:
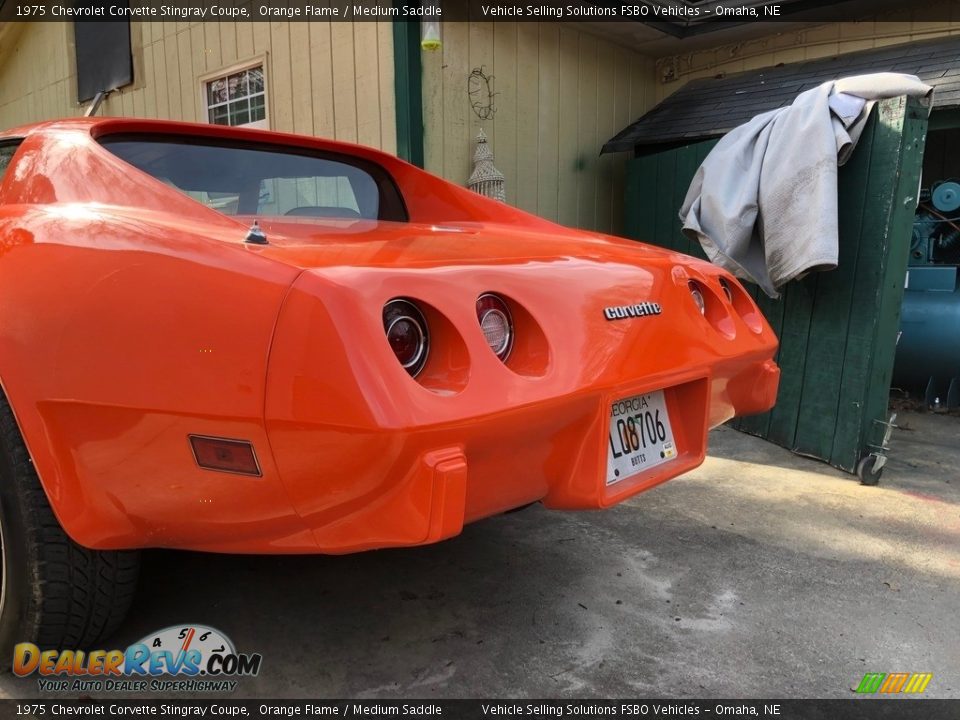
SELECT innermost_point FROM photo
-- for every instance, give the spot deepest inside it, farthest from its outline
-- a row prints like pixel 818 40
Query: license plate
pixel 640 436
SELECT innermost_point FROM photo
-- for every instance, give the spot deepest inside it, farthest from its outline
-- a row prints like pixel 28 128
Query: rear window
pixel 7 150
pixel 260 179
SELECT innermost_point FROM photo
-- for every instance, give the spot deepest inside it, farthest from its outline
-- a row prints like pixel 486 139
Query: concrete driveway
pixel 760 574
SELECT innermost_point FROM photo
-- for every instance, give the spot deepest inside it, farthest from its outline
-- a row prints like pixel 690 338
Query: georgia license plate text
pixel 640 436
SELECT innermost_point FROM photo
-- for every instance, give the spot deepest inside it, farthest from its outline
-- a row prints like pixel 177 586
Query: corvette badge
pixel 621 312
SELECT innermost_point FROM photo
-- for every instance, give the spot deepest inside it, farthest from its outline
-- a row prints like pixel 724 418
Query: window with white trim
pixel 238 98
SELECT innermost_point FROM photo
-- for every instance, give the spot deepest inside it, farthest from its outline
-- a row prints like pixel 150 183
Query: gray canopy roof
pixel 709 107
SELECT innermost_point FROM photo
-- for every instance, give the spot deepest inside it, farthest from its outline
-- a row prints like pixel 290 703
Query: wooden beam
pixel 408 89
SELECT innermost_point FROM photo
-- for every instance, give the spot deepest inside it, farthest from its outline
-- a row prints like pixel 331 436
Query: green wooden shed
pixel 838 329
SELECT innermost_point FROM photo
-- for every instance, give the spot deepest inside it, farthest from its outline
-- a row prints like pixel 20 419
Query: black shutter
pixel 104 61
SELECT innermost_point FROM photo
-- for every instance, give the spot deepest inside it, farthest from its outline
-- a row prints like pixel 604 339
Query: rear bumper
pixel 355 454
pixel 333 489
pixel 425 484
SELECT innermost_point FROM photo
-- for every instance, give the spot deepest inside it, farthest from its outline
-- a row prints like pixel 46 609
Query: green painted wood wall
pixel 408 88
pixel 837 329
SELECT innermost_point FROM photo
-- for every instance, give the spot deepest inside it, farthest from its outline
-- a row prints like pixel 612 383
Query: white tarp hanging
pixel 764 202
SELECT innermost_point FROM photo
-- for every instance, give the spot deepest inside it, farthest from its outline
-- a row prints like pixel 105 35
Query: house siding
pixel 560 93
pixel 38 75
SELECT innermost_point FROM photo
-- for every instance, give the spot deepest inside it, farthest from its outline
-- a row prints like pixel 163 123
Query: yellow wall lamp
pixel 430 31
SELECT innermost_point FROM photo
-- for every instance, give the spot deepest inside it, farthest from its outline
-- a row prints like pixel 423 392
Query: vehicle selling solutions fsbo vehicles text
pixel 626 11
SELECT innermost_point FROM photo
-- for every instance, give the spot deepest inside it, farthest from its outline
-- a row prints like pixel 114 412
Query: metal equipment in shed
pixel 838 330
pixel 928 352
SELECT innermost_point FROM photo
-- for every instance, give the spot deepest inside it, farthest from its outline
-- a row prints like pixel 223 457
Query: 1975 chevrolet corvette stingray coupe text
pixel 232 340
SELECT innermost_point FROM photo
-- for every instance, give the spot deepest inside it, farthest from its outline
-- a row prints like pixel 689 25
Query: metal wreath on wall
pixel 485 178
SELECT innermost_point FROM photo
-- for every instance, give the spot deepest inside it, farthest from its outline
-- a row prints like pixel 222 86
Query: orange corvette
pixel 241 341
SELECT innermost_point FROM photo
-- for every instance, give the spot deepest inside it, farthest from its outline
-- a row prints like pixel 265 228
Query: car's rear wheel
pixel 53 592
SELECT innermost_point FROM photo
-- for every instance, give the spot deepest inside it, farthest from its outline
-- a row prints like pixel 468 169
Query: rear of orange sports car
pixel 471 370
pixel 253 342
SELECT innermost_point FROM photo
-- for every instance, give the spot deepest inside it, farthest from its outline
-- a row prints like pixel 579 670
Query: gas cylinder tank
pixel 928 349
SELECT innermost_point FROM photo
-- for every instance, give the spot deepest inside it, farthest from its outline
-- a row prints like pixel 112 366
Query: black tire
pixel 866 472
pixel 54 592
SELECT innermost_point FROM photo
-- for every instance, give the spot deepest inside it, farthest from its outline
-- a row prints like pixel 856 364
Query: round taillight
pixel 697 294
pixel 406 330
pixel 727 292
pixel 496 324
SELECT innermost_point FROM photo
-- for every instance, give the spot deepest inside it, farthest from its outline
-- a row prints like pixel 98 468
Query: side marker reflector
pixel 225 455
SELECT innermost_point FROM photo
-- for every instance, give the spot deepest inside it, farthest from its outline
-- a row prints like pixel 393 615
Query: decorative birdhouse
pixel 485 178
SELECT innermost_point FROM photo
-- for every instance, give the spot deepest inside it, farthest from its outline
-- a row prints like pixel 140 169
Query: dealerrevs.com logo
pixel 187 658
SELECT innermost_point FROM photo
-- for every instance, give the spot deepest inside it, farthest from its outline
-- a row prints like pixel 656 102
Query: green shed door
pixel 837 329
